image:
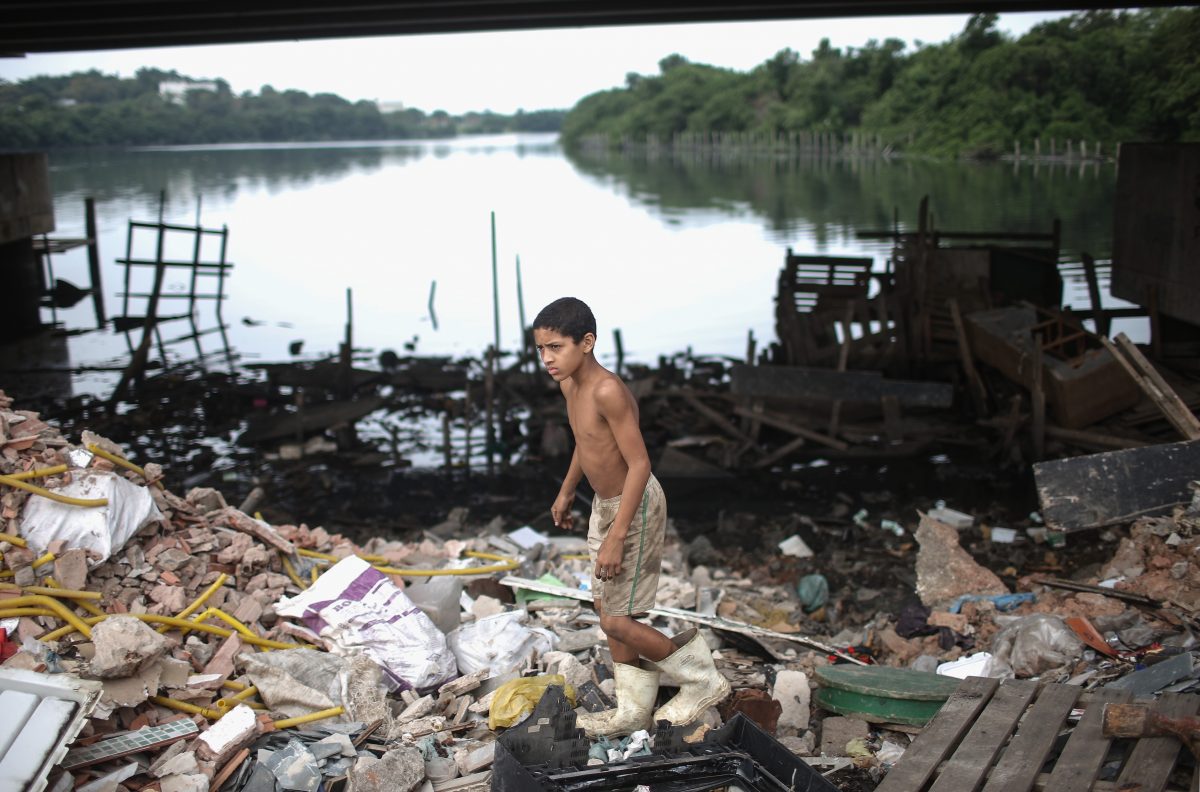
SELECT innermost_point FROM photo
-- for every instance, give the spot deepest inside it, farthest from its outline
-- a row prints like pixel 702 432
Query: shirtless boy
pixel 625 532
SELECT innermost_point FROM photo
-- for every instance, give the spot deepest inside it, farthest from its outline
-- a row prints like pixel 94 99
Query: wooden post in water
pixel 93 254
pixel 489 397
pixel 345 355
pixel 1093 285
pixel 447 451
pixel 1038 401
pixel 620 351
pixel 493 351
pixel 526 351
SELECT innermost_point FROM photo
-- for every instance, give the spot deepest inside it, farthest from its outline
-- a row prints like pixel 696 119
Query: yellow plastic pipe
pixel 87 606
pixel 217 613
pixel 40 473
pixel 59 609
pixel 208 592
pixel 244 694
pixel 50 591
pixel 12 540
pixel 290 569
pixel 54 496
pixel 122 461
pixel 309 718
pixel 174 622
pixel 46 559
pixel 183 706
pixel 8 613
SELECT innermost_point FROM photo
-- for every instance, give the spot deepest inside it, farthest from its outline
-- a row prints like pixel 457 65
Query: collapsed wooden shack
pixel 957 324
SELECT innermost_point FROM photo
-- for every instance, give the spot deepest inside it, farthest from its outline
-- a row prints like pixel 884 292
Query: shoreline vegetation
pixel 1068 90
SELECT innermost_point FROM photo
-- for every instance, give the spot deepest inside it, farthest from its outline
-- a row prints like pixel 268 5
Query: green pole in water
pixel 495 290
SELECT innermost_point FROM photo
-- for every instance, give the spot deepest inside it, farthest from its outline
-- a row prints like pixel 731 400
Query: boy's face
pixel 560 354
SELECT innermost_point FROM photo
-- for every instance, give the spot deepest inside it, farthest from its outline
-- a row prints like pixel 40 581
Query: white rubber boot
pixel 637 687
pixel 700 683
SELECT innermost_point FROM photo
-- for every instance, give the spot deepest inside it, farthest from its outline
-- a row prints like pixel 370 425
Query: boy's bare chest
pixel 586 422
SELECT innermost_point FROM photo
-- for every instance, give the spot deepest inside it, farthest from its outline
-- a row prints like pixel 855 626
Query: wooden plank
pixel 1018 768
pixel 1152 758
pixel 1188 424
pixel 1159 399
pixel 798 383
pixel 974 383
pixel 1037 399
pixel 1116 486
pixel 714 417
pixel 940 736
pixel 771 419
pixel 781 452
pixel 893 425
pixel 1084 752
pixel 1093 286
pixel 835 414
pixel 968 768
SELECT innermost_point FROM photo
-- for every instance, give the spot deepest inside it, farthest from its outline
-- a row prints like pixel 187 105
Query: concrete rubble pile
pixel 200 617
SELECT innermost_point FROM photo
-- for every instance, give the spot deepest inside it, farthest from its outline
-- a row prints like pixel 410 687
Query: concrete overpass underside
pixel 29 26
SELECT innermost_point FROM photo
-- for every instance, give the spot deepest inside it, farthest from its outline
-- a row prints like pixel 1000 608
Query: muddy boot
pixel 700 683
pixel 637 687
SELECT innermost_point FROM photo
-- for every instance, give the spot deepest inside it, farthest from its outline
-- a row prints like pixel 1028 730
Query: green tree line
pixel 1098 76
pixel 95 109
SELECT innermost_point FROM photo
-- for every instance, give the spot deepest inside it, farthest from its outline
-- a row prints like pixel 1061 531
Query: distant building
pixel 175 92
pixel 389 106
pixel 67 102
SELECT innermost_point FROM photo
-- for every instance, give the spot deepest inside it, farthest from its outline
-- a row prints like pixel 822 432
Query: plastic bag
pixel 358 609
pixel 500 643
pixel 101 530
pixel 1035 644
pixel 813 591
pixel 517 698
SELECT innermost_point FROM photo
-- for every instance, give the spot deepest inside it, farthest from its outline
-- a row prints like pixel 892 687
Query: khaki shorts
pixel 632 592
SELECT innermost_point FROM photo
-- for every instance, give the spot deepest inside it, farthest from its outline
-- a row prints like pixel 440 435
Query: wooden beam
pixel 974 382
pixel 1154 386
pixel 1114 487
pixel 798 383
pixel 779 423
pixel 1037 397
pixel 1093 285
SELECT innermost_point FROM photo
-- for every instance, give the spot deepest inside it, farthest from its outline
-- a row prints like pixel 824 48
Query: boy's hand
pixel 561 512
pixel 608 560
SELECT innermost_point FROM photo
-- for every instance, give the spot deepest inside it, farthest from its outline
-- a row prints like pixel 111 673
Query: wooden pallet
pixel 998 737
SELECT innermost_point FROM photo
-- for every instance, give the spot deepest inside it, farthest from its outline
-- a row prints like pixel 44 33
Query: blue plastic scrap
pixel 1004 602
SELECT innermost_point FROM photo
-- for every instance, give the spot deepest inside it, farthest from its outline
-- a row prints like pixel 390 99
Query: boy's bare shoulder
pixel 611 389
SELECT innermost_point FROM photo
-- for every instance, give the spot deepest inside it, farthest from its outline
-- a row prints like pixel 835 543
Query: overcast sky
pixel 500 71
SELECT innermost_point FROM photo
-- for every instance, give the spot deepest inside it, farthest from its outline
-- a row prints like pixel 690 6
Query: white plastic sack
pixel 102 530
pixel 358 609
pixel 500 643
pixel 1036 644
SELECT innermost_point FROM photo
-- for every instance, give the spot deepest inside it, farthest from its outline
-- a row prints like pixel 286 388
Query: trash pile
pixel 208 649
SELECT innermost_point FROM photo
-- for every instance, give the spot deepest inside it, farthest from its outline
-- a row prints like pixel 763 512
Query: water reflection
pixel 825 197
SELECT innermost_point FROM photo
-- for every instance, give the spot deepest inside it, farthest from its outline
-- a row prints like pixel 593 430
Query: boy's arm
pixel 616 406
pixel 561 510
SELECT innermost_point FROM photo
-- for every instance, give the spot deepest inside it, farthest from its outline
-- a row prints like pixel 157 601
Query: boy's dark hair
pixel 567 315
